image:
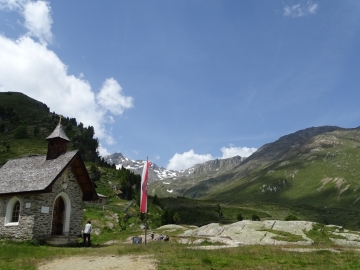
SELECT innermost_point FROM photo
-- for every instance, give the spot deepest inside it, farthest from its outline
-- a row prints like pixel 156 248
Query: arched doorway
pixel 58 217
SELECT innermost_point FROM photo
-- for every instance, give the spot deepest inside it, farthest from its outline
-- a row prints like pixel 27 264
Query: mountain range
pixel 317 166
pixel 159 173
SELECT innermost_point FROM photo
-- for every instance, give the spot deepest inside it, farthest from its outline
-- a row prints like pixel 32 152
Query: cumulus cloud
pixel 103 151
pixel 300 10
pixel 12 4
pixel 30 67
pixel 111 98
pixel 38 20
pixel 188 159
pixel 233 151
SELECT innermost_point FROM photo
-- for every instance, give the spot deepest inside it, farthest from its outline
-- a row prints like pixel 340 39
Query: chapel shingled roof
pixel 33 173
pixel 36 174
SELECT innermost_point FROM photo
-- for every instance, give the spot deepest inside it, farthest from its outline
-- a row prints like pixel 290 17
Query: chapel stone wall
pixel 36 211
pixel 24 230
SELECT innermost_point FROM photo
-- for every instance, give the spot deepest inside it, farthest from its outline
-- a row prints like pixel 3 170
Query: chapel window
pixel 16 212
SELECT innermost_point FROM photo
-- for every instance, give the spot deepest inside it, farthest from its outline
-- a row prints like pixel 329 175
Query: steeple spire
pixel 57 142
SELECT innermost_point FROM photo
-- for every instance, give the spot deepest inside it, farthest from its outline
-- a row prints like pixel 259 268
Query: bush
pixel 255 218
pixel 35 242
pixel 291 217
pixel 156 201
pixel 21 133
pixel 239 217
pixel 36 131
pixel 177 218
pixel 167 217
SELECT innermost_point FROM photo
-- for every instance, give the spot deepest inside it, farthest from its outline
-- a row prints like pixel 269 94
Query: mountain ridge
pixel 314 166
pixel 157 173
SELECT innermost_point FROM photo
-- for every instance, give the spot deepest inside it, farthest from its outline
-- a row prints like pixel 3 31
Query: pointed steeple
pixel 57 142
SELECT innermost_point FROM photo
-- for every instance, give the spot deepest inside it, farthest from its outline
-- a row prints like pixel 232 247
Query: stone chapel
pixel 42 196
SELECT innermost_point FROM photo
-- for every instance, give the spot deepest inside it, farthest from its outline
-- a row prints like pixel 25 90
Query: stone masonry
pixel 35 223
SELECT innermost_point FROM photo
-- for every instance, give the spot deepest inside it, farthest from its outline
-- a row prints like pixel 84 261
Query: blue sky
pixel 182 82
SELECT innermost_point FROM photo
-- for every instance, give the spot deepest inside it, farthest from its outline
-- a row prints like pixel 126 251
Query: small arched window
pixel 13 210
pixel 16 212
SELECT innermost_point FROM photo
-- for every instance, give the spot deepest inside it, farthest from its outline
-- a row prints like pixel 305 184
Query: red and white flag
pixel 144 188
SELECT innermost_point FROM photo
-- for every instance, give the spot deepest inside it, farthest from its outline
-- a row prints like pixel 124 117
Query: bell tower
pixel 57 142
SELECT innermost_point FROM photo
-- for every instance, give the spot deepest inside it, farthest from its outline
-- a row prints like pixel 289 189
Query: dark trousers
pixel 86 235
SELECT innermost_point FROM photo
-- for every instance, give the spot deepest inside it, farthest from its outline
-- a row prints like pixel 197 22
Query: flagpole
pixel 143 194
pixel 146 207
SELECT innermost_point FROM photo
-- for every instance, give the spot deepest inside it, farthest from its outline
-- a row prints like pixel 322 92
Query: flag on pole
pixel 144 187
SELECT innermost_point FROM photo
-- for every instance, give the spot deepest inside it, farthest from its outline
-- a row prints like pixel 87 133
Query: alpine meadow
pixel 309 176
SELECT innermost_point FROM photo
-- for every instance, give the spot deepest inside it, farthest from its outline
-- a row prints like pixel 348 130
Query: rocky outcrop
pixel 267 232
pixel 248 232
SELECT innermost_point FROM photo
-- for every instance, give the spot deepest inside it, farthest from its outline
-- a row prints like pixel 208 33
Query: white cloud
pixel 186 160
pixel 111 119
pixel 12 4
pixel 38 20
pixel 312 8
pixel 300 10
pixel 37 17
pixel 29 67
pixel 103 151
pixel 233 151
pixel 111 98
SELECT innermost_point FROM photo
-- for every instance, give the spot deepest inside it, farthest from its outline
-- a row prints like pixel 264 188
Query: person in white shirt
pixel 86 234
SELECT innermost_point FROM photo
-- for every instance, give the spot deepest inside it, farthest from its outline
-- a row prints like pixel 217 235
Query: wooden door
pixel 58 217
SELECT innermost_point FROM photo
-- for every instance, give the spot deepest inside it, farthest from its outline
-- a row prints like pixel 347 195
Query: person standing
pixel 86 234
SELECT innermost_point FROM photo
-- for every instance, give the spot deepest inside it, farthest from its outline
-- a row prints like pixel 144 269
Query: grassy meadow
pixel 171 255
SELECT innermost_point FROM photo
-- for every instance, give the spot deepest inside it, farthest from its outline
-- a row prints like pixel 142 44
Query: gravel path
pixel 101 263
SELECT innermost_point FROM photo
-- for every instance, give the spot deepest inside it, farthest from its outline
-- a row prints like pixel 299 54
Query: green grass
pixel 285 236
pixel 175 256
pixel 321 235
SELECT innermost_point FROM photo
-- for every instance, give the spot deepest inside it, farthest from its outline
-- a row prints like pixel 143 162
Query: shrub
pixel 167 217
pixel 156 201
pixel 239 217
pixel 255 218
pixel 21 133
pixel 176 218
pixel 36 131
pixel 291 217
pixel 35 242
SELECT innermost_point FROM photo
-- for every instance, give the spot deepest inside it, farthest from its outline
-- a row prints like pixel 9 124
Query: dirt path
pixel 101 263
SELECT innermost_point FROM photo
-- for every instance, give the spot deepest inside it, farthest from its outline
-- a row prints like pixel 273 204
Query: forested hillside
pixel 25 123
